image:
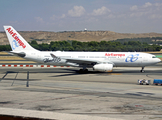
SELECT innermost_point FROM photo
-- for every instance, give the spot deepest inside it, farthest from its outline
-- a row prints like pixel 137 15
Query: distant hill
pixel 84 36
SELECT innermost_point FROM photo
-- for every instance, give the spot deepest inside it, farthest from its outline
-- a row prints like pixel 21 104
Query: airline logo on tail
pixel 16 42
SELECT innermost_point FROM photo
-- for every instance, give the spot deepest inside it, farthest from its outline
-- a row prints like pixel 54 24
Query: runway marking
pixel 14 79
pixel 4 76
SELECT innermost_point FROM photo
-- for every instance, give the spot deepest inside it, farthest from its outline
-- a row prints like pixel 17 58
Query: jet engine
pixel 103 67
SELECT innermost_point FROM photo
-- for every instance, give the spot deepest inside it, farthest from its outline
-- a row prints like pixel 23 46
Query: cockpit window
pixel 153 56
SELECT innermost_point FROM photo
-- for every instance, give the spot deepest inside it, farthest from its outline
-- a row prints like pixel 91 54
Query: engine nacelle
pixel 103 67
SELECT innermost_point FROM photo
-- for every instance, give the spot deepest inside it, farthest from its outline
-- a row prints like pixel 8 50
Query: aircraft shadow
pixel 75 72
pixel 127 72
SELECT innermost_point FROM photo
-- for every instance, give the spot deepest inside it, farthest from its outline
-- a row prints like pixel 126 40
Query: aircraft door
pixel 38 56
pixel 145 58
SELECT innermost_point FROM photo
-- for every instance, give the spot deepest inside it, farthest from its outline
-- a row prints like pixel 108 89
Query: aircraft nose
pixel 158 60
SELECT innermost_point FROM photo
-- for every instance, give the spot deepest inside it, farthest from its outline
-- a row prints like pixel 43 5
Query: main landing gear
pixel 83 71
pixel 142 69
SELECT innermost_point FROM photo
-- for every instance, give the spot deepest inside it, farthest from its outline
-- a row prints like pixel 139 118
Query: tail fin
pixel 17 42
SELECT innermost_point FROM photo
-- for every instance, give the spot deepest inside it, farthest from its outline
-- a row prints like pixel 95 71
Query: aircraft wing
pixel 81 61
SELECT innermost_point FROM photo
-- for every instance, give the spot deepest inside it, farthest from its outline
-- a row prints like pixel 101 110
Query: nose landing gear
pixel 142 70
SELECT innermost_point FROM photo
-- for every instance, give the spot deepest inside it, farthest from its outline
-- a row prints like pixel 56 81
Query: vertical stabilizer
pixel 17 42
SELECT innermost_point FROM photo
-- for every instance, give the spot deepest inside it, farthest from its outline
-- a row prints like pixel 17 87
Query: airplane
pixel 99 61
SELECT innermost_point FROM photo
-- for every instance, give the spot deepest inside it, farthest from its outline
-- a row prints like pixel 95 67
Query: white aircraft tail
pixel 17 42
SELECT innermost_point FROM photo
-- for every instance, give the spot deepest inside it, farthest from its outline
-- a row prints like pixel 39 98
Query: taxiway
pixel 64 90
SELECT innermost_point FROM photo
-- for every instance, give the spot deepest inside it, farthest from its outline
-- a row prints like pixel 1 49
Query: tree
pixel 34 42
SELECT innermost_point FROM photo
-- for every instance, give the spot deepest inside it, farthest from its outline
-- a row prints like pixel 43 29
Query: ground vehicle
pixel 143 81
pixel 157 81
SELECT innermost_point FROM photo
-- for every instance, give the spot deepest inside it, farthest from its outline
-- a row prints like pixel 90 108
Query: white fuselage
pixel 119 59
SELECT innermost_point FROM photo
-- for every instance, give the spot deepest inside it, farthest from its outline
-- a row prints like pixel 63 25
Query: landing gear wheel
pixel 142 71
pixel 86 70
pixel 83 71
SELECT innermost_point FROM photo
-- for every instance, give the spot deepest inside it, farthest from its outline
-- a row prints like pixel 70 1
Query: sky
pixel 122 16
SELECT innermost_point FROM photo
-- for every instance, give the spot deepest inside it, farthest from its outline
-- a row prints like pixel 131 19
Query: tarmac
pixel 65 94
